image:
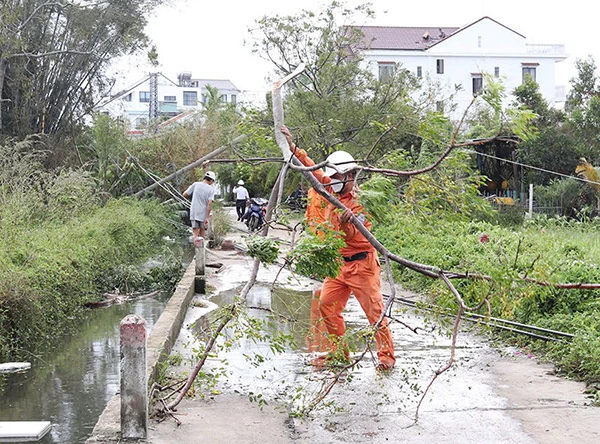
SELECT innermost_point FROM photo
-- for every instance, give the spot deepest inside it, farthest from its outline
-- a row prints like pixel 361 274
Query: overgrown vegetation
pixel 542 249
pixel 62 248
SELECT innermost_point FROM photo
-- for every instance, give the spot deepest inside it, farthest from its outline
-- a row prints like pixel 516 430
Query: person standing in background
pixel 241 198
pixel 202 194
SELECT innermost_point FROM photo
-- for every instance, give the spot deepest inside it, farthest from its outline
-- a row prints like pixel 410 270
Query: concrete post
pixel 530 213
pixel 134 381
pixel 200 279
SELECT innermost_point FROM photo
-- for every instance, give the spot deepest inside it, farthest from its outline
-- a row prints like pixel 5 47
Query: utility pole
pixel 153 105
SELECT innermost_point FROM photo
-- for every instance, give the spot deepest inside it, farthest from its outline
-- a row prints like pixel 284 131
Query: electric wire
pixel 533 167
pixel 171 191
pixel 503 324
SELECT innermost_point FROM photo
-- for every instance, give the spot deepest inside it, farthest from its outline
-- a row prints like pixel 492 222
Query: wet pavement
pixel 478 400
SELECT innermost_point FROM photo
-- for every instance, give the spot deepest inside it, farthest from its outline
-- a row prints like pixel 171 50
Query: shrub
pixel 48 273
pixel 546 249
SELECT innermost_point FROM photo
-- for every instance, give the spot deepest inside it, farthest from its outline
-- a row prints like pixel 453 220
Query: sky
pixel 209 37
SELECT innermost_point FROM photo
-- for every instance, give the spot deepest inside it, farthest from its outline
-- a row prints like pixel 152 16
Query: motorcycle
pixel 255 216
pixel 297 200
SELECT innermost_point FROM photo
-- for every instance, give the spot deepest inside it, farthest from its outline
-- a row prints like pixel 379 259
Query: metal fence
pixel 550 207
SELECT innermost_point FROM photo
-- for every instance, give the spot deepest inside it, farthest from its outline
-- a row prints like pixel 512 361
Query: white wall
pixel 483 38
pixel 134 109
pixel 478 48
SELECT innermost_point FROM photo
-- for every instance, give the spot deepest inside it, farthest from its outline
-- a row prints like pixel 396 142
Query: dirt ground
pixel 489 395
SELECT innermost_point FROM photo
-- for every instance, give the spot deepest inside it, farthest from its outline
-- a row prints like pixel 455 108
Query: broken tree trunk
pixel 192 165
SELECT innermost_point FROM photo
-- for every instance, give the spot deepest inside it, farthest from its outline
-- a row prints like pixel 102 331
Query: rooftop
pixel 407 38
pixel 412 37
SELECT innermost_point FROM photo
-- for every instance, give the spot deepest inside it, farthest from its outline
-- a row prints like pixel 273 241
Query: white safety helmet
pixel 210 175
pixel 343 162
pixel 240 182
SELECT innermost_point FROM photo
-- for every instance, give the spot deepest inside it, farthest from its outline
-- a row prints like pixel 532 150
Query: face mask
pixel 337 186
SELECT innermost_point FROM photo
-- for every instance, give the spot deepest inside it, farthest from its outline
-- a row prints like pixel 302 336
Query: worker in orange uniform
pixel 360 272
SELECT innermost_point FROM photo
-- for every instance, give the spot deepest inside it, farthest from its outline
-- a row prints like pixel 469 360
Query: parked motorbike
pixel 296 201
pixel 255 216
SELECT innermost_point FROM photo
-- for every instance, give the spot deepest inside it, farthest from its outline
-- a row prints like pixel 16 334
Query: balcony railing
pixel 545 49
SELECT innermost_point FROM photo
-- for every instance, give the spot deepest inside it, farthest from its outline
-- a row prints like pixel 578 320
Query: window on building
pixel 477 81
pixel 439 63
pixel 233 99
pixel 204 98
pixel 419 71
pixel 170 98
pixel 190 98
pixel 144 96
pixel 497 71
pixel 128 97
pixel 479 41
pixel 141 122
pixel 529 69
pixel 386 71
pixel 223 98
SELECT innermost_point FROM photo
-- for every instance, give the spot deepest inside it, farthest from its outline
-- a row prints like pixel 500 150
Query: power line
pixel 534 168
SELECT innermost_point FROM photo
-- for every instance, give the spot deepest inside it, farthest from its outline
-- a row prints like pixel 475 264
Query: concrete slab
pixel 23 431
pixel 13 367
pixel 227 418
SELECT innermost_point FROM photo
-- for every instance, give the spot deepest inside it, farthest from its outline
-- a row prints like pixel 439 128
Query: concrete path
pixel 488 396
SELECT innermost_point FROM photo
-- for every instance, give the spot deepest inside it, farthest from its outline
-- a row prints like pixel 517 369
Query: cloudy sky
pixel 207 37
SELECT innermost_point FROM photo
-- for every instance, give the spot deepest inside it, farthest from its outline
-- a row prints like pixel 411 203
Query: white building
pixel 461 56
pixel 173 100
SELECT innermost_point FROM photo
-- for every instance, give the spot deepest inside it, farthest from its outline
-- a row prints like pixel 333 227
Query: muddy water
pixel 71 383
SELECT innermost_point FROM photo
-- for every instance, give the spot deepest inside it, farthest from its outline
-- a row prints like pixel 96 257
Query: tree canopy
pixel 53 57
pixel 336 103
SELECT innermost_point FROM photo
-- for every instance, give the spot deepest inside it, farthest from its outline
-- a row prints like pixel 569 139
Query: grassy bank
pixel 554 250
pixel 50 268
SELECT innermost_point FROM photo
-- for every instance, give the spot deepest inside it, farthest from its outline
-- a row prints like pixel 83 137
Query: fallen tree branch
pixel 169 408
pixel 192 165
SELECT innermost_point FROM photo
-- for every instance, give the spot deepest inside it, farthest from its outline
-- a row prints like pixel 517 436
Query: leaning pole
pixel 192 165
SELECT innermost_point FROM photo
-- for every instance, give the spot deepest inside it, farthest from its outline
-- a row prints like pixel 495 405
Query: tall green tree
pixel 554 150
pixel 336 102
pixel 584 86
pixel 53 56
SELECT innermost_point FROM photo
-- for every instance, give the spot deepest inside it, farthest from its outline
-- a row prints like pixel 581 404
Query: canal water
pixel 70 384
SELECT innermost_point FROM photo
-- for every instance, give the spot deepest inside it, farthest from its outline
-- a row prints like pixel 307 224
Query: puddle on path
pixel 368 406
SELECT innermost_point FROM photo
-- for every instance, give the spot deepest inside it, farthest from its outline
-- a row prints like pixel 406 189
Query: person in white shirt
pixel 241 197
pixel 202 194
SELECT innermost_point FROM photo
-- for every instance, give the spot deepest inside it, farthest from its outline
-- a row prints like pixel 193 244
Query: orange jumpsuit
pixel 315 208
pixel 360 277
